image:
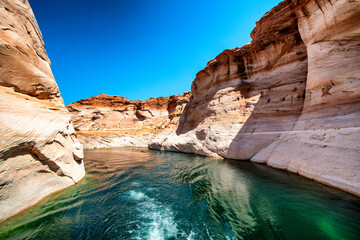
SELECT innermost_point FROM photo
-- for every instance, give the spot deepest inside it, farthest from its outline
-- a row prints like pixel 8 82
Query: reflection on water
pixel 143 194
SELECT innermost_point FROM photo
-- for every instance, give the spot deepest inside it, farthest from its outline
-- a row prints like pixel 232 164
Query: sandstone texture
pixel 114 121
pixel 289 99
pixel 39 151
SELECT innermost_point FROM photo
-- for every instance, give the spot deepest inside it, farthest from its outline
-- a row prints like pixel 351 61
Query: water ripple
pixel 142 194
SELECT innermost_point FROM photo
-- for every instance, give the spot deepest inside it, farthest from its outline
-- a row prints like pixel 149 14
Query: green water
pixel 143 194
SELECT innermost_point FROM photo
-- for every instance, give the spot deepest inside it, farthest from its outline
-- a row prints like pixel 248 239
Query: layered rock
pixel 289 99
pixel 114 121
pixel 39 151
pixel 246 96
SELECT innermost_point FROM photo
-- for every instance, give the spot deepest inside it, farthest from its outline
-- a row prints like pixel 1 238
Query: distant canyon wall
pixel 114 121
pixel 289 99
pixel 39 151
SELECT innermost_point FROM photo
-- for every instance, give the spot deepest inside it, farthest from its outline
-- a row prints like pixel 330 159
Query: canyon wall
pixel 39 151
pixel 289 99
pixel 114 121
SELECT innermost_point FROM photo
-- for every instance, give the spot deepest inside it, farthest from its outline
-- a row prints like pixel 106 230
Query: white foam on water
pixel 230 238
pixel 208 233
pixel 190 237
pixel 152 189
pixel 157 220
pixel 137 195
pixel 136 184
pixel 162 224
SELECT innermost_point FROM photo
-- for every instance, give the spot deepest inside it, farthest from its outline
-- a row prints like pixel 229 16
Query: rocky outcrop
pixel 114 121
pixel 289 99
pixel 39 151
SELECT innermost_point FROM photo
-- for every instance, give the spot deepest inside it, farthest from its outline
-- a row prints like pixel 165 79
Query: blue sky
pixel 139 48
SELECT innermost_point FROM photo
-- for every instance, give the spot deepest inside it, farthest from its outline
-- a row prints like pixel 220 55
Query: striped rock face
pixel 114 121
pixel 39 151
pixel 289 99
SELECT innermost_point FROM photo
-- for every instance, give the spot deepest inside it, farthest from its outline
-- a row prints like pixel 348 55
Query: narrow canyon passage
pixel 274 123
pixel 135 193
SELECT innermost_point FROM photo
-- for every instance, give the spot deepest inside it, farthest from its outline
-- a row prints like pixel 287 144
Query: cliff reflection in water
pixel 142 194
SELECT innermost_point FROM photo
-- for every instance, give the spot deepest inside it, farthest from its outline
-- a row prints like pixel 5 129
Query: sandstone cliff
pixel 289 99
pixel 114 121
pixel 39 151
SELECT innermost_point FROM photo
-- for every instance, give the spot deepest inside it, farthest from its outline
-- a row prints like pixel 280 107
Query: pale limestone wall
pixel 325 142
pixel 39 151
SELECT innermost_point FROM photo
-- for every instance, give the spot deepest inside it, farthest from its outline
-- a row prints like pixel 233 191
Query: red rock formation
pixel 39 152
pixel 109 121
pixel 289 98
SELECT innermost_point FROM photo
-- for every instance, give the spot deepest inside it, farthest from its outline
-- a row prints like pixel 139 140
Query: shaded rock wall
pixel 39 151
pixel 114 121
pixel 289 98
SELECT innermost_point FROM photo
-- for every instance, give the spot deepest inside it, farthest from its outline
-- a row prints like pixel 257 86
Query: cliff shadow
pixel 222 76
pixel 195 112
pixel 277 110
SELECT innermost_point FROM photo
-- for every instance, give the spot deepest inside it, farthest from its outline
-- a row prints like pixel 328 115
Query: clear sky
pixel 139 48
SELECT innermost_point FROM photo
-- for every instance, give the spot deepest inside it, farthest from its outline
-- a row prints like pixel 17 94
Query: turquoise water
pixel 143 194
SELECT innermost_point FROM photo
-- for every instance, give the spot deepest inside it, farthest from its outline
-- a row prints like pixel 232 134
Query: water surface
pixel 143 194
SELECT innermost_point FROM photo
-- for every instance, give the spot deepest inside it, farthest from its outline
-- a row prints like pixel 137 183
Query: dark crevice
pixel 52 165
pixel 139 116
pixel 305 11
pixel 228 64
pixel 3 54
pixel 318 4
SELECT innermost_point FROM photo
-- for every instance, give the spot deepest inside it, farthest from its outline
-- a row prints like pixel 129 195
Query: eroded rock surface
pixel 114 121
pixel 39 151
pixel 289 99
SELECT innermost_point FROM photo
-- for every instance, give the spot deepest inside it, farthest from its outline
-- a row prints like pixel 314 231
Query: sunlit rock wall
pixel 114 121
pixel 39 151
